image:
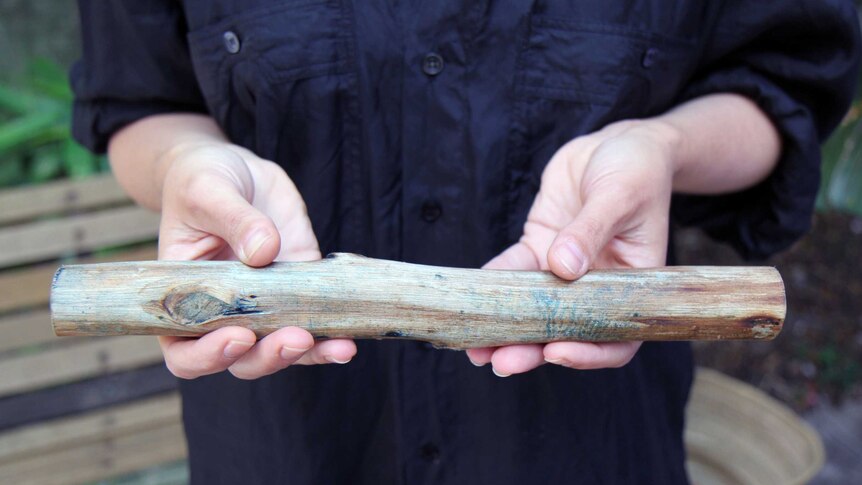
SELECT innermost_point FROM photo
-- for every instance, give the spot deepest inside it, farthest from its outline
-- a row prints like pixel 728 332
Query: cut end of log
pixel 55 281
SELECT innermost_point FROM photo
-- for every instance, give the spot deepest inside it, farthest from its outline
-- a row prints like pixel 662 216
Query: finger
pixel 335 351
pixel 578 245
pixel 590 355
pixel 517 256
pixel 217 206
pixel 273 353
pixel 516 359
pixel 480 356
pixel 214 352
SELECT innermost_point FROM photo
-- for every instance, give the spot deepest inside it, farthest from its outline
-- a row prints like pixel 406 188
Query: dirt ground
pixel 815 364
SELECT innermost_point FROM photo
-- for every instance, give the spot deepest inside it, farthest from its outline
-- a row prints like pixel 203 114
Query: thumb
pixel 252 235
pixel 579 244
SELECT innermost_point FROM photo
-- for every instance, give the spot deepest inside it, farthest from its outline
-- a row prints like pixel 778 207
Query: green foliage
pixel 841 185
pixel 35 140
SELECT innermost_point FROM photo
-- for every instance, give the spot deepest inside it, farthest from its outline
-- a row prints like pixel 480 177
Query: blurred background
pixel 105 410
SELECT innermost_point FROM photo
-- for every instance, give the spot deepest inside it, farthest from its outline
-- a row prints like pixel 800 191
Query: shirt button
pixel 231 42
pixel 431 211
pixel 430 452
pixel 649 57
pixel 433 64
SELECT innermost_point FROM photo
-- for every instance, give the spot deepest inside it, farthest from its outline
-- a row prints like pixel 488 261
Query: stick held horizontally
pixel 351 296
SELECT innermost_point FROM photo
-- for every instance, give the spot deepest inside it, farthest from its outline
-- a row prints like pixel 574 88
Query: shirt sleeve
pixel 135 63
pixel 798 61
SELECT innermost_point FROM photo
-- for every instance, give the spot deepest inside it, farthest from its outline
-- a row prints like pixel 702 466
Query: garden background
pixel 815 366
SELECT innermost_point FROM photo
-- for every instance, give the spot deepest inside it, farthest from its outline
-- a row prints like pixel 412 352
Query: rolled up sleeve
pixel 135 63
pixel 799 62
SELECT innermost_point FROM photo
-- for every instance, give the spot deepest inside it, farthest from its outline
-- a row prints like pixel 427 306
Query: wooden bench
pixel 77 410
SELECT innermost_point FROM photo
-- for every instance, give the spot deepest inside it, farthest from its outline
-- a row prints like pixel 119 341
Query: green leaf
pixel 57 132
pixel 50 79
pixel 104 163
pixel 841 183
pixel 11 171
pixel 26 129
pixel 831 152
pixel 46 164
pixel 18 102
pixel 844 189
pixel 77 161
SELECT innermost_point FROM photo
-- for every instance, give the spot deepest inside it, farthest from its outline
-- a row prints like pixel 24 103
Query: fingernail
pixel 236 348
pixel 333 360
pixel 252 244
pixel 474 363
pixel 498 374
pixel 288 353
pixel 562 362
pixel 572 258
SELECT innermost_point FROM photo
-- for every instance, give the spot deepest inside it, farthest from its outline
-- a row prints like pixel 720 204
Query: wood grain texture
pixel 25 329
pixel 82 396
pixel 100 460
pixel 60 197
pixel 70 363
pixel 49 239
pixel 51 436
pixel 351 296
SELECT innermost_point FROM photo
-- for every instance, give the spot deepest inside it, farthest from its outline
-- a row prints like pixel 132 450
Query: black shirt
pixel 418 131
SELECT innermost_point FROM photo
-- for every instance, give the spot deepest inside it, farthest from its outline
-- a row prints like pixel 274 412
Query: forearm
pixel 722 143
pixel 141 152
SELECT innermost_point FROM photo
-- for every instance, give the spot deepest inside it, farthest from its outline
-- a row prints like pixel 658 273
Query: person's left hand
pixel 603 202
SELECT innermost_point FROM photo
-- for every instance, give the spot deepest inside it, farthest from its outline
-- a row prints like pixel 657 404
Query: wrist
pixel 168 159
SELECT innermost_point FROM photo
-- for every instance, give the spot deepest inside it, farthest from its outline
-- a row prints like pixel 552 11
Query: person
pixel 526 135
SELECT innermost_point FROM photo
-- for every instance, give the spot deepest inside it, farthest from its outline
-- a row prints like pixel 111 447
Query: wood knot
pixel 195 305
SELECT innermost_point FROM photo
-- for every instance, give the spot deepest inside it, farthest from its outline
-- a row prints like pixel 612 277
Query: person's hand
pixel 223 202
pixel 603 202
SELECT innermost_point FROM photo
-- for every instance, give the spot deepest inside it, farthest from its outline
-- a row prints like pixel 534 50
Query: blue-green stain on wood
pixel 574 322
pixel 549 303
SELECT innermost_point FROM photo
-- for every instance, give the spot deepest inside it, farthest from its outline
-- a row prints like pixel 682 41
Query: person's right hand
pixel 221 201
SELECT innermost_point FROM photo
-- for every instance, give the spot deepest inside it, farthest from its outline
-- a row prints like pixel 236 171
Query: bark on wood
pixel 356 297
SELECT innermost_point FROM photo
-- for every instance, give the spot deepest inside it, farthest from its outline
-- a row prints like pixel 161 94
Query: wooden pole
pixel 351 296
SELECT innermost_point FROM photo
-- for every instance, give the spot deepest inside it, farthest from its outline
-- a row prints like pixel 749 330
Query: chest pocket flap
pixel 250 50
pixel 599 64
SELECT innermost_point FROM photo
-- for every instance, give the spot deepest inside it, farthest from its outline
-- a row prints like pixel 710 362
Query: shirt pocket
pixel 625 70
pixel 239 60
pixel 282 81
pixel 573 78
